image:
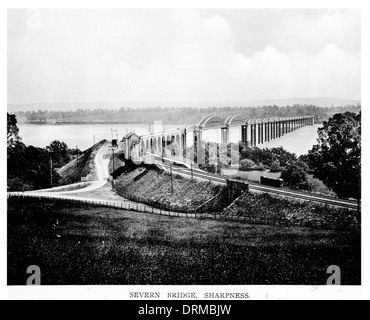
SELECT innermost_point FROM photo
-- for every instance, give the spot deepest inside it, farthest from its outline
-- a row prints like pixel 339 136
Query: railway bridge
pixel 211 129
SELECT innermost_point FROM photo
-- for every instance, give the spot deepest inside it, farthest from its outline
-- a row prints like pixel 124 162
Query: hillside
pixel 153 187
pixel 276 210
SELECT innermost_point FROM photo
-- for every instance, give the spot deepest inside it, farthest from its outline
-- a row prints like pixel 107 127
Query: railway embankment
pixel 81 169
pixel 157 188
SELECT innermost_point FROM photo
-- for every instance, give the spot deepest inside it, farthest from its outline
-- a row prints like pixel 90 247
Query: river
pixel 83 136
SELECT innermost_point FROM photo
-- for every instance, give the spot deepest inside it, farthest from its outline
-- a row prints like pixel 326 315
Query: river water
pixel 83 136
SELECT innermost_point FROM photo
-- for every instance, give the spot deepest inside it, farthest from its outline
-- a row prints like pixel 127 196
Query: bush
pixel 247 165
pixel 275 167
pixel 302 165
pixel 306 159
pixel 283 156
pixel 208 167
pixel 252 205
pixel 267 156
pixel 16 184
pixel 260 167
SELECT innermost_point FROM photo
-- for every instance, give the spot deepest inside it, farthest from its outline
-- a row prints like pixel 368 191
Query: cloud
pixel 179 56
pixel 310 31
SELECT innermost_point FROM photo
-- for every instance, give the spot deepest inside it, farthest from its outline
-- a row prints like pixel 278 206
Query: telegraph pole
pixel 113 163
pixel 171 177
pixel 51 172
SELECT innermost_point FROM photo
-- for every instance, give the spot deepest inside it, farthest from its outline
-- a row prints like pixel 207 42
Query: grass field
pixel 111 246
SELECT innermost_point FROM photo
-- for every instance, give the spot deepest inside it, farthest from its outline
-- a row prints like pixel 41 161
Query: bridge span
pixel 211 129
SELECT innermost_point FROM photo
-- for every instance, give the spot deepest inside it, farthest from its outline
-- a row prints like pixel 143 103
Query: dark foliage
pixel 59 153
pixel 267 156
pixel 12 130
pixel 30 166
pixel 337 156
pixel 295 176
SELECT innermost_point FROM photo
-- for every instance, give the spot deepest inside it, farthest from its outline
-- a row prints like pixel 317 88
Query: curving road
pixel 101 162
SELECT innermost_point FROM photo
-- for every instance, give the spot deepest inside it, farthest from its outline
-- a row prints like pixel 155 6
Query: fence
pixel 137 207
pixel 170 208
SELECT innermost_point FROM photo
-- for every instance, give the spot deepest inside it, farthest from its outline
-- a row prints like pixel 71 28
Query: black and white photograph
pixel 197 147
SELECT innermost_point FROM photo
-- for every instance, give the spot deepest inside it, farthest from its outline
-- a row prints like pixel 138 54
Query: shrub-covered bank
pixel 75 170
pixel 152 186
pixel 270 209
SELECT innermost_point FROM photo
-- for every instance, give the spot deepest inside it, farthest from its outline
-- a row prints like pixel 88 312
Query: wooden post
pixel 171 177
pixel 51 172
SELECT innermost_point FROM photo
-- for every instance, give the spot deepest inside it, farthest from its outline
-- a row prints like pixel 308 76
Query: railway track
pixel 326 200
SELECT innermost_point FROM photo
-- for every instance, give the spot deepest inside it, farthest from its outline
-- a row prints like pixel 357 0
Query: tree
pixel 59 153
pixel 283 156
pixel 295 176
pixel 337 156
pixel 27 167
pixel 12 131
pixel 306 159
pixel 302 165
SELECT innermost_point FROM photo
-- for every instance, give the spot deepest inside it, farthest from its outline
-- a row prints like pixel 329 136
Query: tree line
pixel 31 168
pixel 183 115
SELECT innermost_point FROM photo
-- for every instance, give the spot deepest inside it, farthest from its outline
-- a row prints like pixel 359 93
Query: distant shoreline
pixel 79 123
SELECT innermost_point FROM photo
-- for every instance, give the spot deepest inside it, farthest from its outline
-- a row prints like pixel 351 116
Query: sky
pixel 87 56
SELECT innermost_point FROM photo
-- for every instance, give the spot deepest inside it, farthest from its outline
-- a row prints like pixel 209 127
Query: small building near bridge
pixel 131 146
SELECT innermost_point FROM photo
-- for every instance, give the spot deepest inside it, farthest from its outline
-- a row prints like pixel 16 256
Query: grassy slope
pixel 156 186
pixel 119 161
pixel 73 171
pixel 110 246
pixel 275 207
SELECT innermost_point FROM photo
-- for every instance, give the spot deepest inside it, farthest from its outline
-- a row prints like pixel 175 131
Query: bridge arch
pixel 233 131
pixel 212 128
pixel 234 121
pixel 211 122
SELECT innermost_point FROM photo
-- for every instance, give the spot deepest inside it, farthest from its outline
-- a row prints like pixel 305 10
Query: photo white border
pixel 256 292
